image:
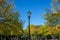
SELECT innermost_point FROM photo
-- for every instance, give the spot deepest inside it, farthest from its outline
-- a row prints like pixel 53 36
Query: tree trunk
pixel 1 37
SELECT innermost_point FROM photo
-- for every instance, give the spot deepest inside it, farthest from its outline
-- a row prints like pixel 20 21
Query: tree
pixel 9 19
pixel 33 31
pixel 42 30
pixel 58 0
pixel 49 32
pixel 52 16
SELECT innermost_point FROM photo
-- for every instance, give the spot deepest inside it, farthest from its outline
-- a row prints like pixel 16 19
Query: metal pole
pixel 29 14
pixel 29 27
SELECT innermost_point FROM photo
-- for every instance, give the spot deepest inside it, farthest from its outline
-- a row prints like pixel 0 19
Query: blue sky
pixel 37 8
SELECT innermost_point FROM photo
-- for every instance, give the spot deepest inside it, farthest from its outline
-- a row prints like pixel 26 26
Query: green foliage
pixel 58 0
pixel 52 17
pixel 33 30
pixel 43 31
pixel 9 19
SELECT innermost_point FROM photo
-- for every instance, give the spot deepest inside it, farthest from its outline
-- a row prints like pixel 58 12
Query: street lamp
pixel 29 15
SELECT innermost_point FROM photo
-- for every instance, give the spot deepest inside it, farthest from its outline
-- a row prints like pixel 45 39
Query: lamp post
pixel 29 15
